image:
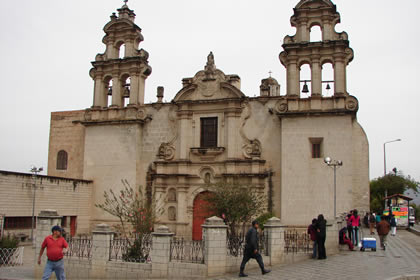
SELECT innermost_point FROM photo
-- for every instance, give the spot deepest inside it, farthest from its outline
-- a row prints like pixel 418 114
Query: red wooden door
pixel 200 214
pixel 73 224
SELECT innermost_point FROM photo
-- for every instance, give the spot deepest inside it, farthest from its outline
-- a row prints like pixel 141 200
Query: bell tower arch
pixel 122 35
pixel 334 48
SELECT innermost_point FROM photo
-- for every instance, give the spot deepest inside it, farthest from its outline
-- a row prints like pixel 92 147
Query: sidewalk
pixel 400 258
pixel 21 272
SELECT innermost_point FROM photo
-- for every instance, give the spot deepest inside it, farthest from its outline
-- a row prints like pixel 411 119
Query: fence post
pixel 215 251
pixel 275 234
pixel 45 221
pixel 332 242
pixel 160 253
pixel 101 245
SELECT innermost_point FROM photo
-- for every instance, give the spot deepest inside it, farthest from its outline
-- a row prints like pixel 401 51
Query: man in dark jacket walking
pixel 252 250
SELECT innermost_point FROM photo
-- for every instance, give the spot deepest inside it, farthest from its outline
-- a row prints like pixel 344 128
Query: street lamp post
pixel 35 172
pixel 396 140
pixel 334 164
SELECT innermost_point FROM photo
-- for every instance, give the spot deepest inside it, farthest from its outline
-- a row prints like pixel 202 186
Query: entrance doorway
pixel 200 214
pixel 73 225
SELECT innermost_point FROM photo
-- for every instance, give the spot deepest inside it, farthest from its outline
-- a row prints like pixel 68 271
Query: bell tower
pixel 299 50
pixel 122 70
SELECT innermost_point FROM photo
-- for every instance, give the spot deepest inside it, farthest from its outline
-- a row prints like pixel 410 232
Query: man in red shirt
pixel 56 245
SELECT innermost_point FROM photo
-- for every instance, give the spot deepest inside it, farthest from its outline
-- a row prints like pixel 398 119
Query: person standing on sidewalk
pixel 372 223
pixel 393 223
pixel 355 224
pixel 312 233
pixel 321 235
pixel 56 245
pixel 383 229
pixel 252 250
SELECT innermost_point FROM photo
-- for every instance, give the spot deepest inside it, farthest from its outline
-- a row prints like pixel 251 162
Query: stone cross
pixel 270 72
pixel 125 2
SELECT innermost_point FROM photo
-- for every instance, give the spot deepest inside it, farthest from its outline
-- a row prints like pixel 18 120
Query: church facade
pixel 212 130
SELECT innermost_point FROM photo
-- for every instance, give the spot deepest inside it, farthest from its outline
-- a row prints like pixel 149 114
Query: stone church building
pixel 212 130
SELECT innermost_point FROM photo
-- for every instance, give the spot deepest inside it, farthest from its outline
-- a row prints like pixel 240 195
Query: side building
pixel 72 199
pixel 212 130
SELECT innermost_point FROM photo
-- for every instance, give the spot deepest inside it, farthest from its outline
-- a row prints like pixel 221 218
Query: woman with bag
pixel 355 224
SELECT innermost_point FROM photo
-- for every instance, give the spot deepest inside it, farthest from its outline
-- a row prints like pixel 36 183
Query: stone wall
pixel 70 197
pixel 68 136
pixel 216 260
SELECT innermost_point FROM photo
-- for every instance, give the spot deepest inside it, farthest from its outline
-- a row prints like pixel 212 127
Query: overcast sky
pixel 47 46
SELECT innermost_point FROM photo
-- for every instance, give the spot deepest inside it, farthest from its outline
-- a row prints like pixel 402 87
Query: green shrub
pixel 9 242
pixel 264 218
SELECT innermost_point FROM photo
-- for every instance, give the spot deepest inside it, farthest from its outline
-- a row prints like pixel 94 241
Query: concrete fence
pixel 162 263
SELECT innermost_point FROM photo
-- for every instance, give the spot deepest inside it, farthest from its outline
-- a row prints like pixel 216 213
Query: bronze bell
pixel 328 87
pixel 305 88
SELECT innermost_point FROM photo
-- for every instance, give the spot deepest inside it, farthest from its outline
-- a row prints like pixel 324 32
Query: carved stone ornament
pixel 281 106
pixel 141 114
pixel 166 151
pixel 88 115
pixel 252 149
pixel 352 104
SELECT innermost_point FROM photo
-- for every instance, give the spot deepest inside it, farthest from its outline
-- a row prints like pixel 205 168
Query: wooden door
pixel 200 214
pixel 73 225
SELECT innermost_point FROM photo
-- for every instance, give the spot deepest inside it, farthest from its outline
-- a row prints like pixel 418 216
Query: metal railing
pixel 236 244
pixel 131 250
pixel 297 242
pixel 80 247
pixel 11 256
pixel 189 251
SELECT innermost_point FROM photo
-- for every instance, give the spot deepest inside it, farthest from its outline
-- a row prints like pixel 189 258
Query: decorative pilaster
pixel 214 235
pixel 275 234
pixel 161 252
pixel 45 221
pixel 101 245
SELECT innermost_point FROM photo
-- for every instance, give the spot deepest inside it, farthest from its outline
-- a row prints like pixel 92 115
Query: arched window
pixel 121 51
pixel 172 213
pixel 108 89
pixel 126 86
pixel 305 81
pixel 315 34
pixel 328 84
pixel 62 160
pixel 172 195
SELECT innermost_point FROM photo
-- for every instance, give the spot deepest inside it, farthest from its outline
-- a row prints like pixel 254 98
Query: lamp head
pixel 327 160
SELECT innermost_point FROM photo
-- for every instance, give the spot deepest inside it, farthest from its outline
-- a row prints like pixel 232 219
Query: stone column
pixel 327 30
pixel 316 74
pixel 99 94
pixel 134 89
pixel 339 76
pixel 141 89
pixel 45 221
pixel 293 79
pixel 101 245
pixel 275 234
pixel 304 32
pixel 116 91
pixel 160 253
pixel 215 254
pixel 232 143
pixel 185 131
pixel 181 216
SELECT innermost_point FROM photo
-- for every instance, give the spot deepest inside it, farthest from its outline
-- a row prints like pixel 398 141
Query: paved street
pixel 401 258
